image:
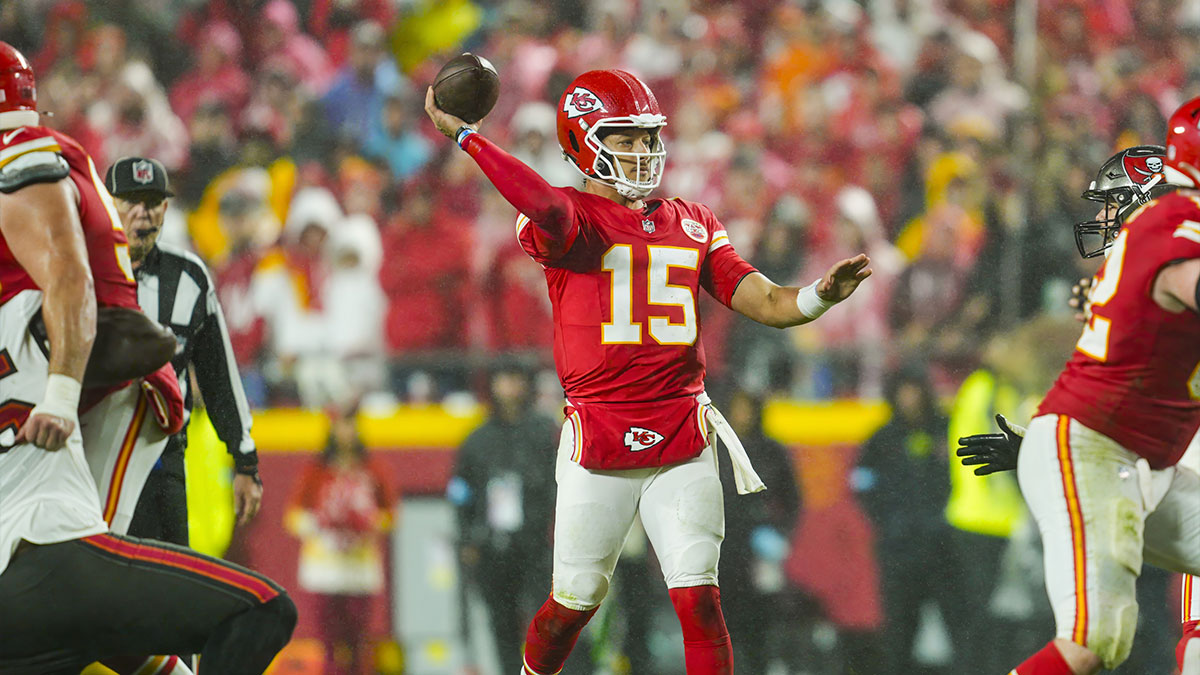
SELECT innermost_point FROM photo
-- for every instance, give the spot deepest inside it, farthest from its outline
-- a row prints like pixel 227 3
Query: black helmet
pixel 1128 179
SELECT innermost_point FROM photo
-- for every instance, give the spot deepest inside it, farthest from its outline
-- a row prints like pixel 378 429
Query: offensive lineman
pixel 1099 464
pixel 623 272
pixel 85 594
pixel 1127 180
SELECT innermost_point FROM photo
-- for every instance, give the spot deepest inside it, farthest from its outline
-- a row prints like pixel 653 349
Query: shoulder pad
pixel 33 167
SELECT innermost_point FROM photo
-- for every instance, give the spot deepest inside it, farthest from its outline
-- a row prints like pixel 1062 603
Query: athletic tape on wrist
pixel 463 134
pixel 61 398
pixel 809 303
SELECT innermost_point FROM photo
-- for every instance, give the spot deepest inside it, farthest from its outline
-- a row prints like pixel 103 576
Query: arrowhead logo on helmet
pixel 581 102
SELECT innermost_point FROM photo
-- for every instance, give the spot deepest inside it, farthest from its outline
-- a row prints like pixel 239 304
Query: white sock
pixel 163 665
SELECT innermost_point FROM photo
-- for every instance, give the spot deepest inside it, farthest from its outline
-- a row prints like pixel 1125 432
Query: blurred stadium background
pixel 364 262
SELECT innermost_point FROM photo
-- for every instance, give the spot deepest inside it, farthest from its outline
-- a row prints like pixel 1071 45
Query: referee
pixel 175 289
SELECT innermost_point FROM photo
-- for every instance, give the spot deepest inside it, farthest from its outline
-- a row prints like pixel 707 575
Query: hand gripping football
pixel 467 87
pixel 128 345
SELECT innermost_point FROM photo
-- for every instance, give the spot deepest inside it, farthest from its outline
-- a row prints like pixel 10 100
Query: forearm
pixel 760 299
pixel 69 311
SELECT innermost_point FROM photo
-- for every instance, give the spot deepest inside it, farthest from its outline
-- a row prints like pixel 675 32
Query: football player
pixel 623 273
pixel 85 594
pixel 1102 469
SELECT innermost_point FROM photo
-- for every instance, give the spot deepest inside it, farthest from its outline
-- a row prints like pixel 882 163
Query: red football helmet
pixel 603 100
pixel 17 89
pixel 1183 143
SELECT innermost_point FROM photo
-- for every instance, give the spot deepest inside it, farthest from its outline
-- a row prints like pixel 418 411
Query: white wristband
pixel 809 303
pixel 61 398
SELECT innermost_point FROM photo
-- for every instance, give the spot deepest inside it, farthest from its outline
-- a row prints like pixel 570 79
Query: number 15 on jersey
pixel 655 291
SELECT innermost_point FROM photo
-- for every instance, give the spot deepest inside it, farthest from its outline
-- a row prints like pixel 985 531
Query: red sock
pixel 707 649
pixel 1048 661
pixel 1191 631
pixel 552 635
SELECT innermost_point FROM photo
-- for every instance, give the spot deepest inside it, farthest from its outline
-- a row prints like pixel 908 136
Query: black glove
pixel 995 452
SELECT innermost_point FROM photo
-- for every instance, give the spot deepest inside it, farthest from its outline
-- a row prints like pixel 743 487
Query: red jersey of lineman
pixel 1135 373
pixel 623 285
pixel 108 252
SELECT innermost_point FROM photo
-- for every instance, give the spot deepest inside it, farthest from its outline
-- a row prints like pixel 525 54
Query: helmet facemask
pixel 607 167
pixel 1094 237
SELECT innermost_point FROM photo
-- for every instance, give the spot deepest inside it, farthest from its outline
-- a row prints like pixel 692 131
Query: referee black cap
pixel 130 175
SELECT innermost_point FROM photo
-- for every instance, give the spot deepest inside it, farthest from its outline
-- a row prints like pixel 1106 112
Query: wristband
pixel 61 398
pixel 251 471
pixel 809 303
pixel 464 132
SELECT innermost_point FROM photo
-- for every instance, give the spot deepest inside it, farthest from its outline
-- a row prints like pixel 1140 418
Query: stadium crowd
pixel 356 252
pixel 902 127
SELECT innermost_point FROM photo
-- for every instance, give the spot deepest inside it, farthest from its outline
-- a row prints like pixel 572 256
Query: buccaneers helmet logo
pixel 581 102
pixel 1141 169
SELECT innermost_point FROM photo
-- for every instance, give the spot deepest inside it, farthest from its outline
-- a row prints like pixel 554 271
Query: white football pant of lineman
pixel 681 507
pixel 122 442
pixel 45 497
pixel 1191 588
pixel 1101 510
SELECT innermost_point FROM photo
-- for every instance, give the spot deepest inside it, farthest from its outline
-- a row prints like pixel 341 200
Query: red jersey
pixel 623 286
pixel 108 251
pixel 624 295
pixel 1135 373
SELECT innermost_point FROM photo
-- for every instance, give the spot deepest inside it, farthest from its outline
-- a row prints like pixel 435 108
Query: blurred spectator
pixel 341 509
pixel 135 119
pixel 852 343
pixel 757 530
pixel 355 305
pixel 242 220
pixel 762 358
pixel 903 483
pixel 354 102
pixel 333 22
pixel 425 279
pixel 216 77
pixel 213 149
pixel 395 139
pixel 535 142
pixel 288 285
pixel 64 32
pixel 503 488
pixel 278 36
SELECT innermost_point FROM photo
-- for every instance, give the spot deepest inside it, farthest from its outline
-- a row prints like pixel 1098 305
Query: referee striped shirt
pixel 176 290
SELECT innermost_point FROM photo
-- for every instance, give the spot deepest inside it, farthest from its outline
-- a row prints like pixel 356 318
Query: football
pixel 467 87
pixel 128 345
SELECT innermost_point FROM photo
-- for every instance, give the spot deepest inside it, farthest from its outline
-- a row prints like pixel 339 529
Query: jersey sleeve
pixel 549 222
pixel 30 155
pixel 723 268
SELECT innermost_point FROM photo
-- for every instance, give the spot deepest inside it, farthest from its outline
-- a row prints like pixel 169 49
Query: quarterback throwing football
pixel 623 273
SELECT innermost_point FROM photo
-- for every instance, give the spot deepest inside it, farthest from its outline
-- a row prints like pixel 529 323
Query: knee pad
pixel 1111 637
pixel 581 591
pixel 699 559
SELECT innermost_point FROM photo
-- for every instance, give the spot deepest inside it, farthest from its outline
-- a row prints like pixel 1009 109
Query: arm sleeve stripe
pixel 718 241
pixel 45 145
pixel 522 221
pixel 1188 230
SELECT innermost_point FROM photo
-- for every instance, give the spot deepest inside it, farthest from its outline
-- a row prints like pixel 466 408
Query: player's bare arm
pixel 42 226
pixel 1177 287
pixel 758 298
